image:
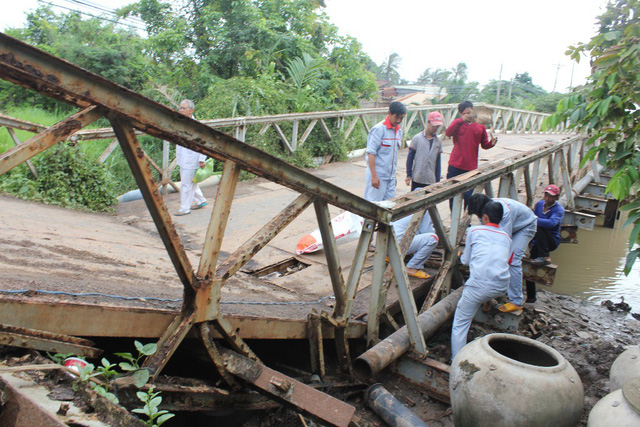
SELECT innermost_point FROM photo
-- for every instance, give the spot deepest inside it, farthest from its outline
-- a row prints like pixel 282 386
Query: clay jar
pixel 625 367
pixel 508 380
pixel 620 408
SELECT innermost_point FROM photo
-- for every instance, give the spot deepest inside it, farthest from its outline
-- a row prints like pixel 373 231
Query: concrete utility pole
pixel 556 80
pixel 573 65
pixel 499 81
pixel 510 88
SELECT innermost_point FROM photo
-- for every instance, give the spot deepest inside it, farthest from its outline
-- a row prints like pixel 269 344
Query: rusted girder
pixel 134 154
pixel 45 139
pixel 542 274
pixel 287 391
pixel 39 340
pixel 34 69
pixel 429 374
pixel 259 240
pixel 12 122
pixel 444 190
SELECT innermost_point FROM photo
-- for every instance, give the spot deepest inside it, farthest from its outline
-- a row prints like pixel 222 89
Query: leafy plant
pixel 151 402
pixel 607 109
pixel 132 364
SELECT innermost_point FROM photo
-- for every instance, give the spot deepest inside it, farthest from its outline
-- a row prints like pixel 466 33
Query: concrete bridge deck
pixel 102 275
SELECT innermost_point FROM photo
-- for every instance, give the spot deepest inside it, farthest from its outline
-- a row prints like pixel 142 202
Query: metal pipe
pixel 395 345
pixel 390 409
pixel 579 186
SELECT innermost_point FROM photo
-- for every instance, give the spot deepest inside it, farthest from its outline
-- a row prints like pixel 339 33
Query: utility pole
pixel 510 88
pixel 499 82
pixel 573 65
pixel 556 80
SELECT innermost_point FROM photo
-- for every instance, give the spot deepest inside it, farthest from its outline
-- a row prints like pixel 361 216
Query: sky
pixel 489 36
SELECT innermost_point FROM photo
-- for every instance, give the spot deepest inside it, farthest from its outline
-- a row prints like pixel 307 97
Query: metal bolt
pixel 281 384
pixel 615 404
pixel 572 380
pixel 493 367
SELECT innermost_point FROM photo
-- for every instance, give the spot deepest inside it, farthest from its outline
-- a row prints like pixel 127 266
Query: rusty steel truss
pixel 131 114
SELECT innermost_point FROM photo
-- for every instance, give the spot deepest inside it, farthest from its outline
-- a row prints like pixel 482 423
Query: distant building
pixel 407 94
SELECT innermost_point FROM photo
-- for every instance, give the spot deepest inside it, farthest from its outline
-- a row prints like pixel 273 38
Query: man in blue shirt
pixel 550 214
pixel 383 144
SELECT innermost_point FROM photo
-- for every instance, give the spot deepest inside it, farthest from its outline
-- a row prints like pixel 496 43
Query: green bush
pixel 66 177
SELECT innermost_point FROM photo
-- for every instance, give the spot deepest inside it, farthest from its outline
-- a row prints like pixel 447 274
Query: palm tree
pixel 389 68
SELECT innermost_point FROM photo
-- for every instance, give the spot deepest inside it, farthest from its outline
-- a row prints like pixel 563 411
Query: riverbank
pixel 588 335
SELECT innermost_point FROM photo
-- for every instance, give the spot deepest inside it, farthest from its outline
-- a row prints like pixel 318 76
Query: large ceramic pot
pixel 625 367
pixel 620 408
pixel 508 380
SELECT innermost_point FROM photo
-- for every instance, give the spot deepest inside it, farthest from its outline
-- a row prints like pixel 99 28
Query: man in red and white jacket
pixel 467 137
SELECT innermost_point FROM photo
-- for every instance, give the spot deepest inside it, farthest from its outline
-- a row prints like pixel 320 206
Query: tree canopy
pixel 607 107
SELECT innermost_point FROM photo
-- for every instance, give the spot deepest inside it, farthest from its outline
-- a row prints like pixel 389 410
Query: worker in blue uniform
pixel 488 253
pixel 520 223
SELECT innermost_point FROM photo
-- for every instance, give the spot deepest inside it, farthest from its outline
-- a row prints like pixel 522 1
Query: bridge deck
pixel 120 265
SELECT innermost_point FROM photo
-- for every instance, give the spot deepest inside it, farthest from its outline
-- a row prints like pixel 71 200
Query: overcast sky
pixel 520 36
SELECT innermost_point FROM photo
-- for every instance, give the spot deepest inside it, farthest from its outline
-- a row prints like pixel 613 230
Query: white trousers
pixel 386 191
pixel 473 296
pixel 190 193
pixel 519 243
pixel 421 247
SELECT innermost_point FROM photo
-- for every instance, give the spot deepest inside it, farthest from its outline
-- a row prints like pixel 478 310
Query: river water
pixel 593 269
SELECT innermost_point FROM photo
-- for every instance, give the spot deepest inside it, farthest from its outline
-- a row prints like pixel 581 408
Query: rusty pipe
pixel 581 184
pixel 395 345
pixel 390 409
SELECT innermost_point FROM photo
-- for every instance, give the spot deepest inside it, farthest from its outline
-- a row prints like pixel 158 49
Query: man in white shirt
pixel 191 196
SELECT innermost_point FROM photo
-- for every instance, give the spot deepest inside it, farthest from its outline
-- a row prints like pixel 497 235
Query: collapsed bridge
pixel 223 303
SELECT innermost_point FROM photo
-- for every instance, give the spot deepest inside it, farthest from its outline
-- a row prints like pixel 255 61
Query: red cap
pixel 435 118
pixel 554 190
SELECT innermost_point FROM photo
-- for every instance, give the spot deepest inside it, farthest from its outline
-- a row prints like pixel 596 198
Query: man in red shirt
pixel 467 136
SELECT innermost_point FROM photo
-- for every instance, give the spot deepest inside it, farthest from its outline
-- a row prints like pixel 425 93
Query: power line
pixel 98 7
pixel 102 18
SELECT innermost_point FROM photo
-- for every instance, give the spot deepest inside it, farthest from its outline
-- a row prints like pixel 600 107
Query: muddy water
pixel 594 268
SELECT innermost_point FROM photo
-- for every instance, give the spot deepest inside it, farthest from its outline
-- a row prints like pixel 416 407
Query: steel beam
pixel 541 274
pixel 17 142
pixel 430 375
pixel 445 190
pixel 15 336
pixel 593 205
pixel 56 133
pixel 407 303
pixel 134 322
pixel 355 271
pixel 259 240
pixel 218 222
pixel 378 293
pixel 134 154
pixel 582 220
pixel 319 406
pixel 331 252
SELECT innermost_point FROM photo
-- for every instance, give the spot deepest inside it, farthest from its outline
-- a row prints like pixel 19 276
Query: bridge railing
pixel 130 113
pixel 328 125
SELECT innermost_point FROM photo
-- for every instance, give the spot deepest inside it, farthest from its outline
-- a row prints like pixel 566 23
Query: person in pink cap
pixel 424 166
pixel 550 214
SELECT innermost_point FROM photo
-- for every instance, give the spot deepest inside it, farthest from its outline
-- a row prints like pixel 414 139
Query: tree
pixel 389 68
pixel 607 106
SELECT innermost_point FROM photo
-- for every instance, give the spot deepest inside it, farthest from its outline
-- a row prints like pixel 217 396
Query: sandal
pixel 509 308
pixel 419 275
pixel 181 213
